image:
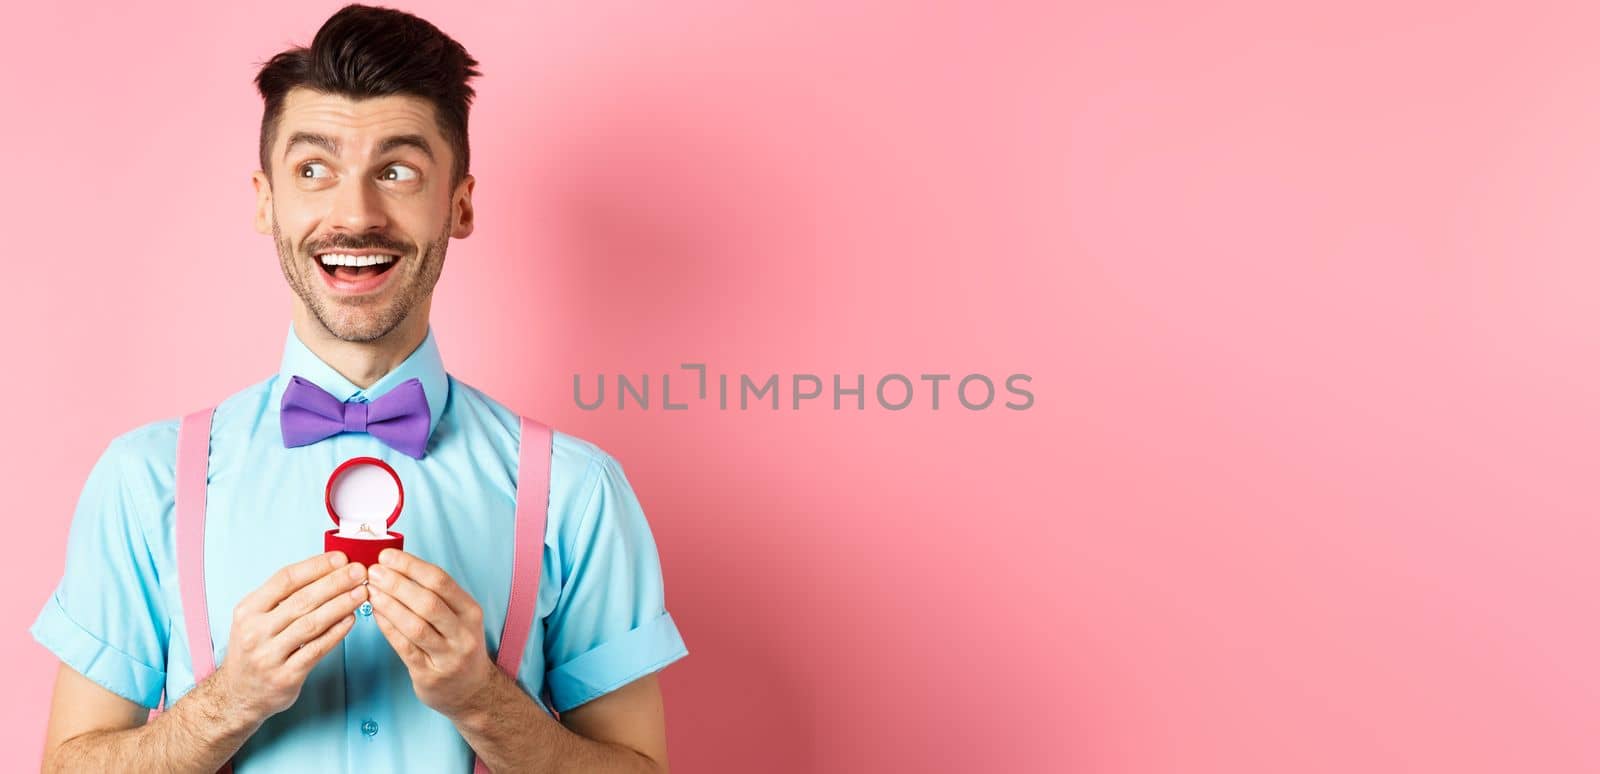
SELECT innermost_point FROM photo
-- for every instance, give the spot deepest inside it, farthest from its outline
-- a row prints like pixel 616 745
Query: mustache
pixel 370 242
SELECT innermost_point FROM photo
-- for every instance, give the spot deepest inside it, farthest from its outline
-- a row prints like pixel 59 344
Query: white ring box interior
pixel 363 498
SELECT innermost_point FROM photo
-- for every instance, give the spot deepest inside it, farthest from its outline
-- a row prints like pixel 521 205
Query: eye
pixel 398 172
pixel 306 169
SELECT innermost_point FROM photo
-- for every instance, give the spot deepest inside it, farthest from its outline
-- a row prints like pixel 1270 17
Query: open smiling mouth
pixel 355 266
pixel 349 273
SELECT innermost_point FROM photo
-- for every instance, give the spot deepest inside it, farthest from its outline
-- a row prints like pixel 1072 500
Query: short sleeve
pixel 610 625
pixel 106 618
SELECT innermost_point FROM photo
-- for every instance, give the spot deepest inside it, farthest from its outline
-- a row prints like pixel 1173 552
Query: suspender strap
pixel 194 452
pixel 533 499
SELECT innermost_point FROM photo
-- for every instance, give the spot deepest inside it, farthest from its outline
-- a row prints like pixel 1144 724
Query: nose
pixel 357 207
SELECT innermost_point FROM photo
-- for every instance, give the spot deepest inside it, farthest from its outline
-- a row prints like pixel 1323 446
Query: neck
pixel 362 362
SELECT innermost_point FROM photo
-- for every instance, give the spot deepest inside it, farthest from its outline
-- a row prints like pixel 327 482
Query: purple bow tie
pixel 400 418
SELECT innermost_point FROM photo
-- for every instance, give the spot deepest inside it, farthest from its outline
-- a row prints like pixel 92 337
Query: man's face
pixel 361 181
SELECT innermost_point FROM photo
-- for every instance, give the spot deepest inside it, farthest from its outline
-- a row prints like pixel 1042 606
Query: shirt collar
pixel 423 364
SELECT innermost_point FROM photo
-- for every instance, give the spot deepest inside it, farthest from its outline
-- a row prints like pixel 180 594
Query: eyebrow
pixel 310 138
pixel 406 141
pixel 332 146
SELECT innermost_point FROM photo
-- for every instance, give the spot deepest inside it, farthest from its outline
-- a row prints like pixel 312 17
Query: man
pixel 324 664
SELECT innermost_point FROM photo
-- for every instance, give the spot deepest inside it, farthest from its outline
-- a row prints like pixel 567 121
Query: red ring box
pixel 363 550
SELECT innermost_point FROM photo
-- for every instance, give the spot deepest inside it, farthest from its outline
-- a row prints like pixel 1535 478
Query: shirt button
pixel 365 609
pixel 370 728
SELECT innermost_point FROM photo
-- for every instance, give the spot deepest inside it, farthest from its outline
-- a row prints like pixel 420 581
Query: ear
pixel 263 201
pixel 461 209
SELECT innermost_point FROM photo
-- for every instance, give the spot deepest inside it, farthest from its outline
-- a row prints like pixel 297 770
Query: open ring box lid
pixel 364 497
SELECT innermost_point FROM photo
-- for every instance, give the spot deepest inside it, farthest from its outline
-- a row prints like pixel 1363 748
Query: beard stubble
pixel 363 319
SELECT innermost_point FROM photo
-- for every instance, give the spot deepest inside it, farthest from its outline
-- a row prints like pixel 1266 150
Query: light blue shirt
pixel 601 620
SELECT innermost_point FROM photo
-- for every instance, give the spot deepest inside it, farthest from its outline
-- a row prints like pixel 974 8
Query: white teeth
pixel 340 259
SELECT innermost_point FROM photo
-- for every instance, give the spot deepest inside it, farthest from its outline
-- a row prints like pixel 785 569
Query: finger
pixel 429 576
pixel 309 597
pixel 420 600
pixel 311 625
pixel 289 579
pixel 307 656
pixel 407 622
pixel 403 646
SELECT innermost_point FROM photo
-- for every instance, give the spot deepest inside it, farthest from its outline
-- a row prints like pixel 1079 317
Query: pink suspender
pixel 194 451
pixel 533 500
pixel 194 456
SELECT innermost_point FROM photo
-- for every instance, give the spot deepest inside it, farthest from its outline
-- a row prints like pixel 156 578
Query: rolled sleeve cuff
pixel 617 662
pixel 96 659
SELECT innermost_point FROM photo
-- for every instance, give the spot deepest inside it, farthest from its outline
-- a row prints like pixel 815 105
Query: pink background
pixel 1306 295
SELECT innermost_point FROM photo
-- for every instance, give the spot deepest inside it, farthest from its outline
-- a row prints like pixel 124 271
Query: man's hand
pixel 282 629
pixel 435 626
